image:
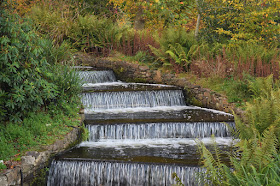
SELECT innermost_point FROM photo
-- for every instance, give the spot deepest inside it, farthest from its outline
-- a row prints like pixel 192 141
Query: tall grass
pixel 235 60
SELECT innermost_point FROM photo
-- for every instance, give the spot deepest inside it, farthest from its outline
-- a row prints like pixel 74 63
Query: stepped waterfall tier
pixel 139 134
pixel 97 76
pixel 111 100
pixel 108 173
pixel 158 130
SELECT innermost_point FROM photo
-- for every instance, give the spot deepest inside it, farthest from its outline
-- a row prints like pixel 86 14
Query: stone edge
pixel 33 161
pixel 133 72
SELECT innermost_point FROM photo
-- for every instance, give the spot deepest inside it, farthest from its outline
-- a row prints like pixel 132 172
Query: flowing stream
pixel 139 134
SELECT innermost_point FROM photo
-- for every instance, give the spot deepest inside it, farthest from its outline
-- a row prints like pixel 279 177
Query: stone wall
pixel 131 72
pixel 34 161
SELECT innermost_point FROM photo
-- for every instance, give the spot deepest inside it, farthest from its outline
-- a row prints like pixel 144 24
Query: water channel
pixel 139 134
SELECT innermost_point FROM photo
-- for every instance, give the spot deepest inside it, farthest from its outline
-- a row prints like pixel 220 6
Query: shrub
pixel 92 34
pixel 51 22
pixel 27 78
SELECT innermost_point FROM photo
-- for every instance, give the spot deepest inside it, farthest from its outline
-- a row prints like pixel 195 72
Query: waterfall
pixel 97 76
pixel 96 173
pixel 159 130
pixel 130 99
pixel 139 134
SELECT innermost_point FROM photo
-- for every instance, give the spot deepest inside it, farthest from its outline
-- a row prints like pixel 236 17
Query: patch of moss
pixel 41 177
pixel 195 102
pixel 136 80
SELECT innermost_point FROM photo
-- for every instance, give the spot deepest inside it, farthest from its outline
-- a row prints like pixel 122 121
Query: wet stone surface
pixel 139 134
pixel 187 155
pixel 120 86
pixel 192 114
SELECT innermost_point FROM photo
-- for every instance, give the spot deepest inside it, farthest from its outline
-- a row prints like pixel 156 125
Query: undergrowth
pixel 256 162
pixel 39 90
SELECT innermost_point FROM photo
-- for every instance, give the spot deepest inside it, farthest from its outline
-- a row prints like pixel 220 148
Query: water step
pixel 156 114
pixel 131 99
pixel 159 130
pixel 121 86
pixel 77 173
pixel 97 76
pixel 163 151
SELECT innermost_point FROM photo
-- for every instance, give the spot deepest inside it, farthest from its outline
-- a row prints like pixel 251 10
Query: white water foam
pixel 120 83
pixel 77 173
pixel 160 142
pixel 153 109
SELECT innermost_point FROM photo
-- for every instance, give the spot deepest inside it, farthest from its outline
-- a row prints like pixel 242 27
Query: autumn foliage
pixel 237 20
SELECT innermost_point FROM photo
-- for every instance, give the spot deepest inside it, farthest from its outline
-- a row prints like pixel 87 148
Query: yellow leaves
pixel 222 31
pixel 272 22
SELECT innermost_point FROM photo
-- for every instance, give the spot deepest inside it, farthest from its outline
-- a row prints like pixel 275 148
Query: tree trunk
pixel 198 20
pixel 197 25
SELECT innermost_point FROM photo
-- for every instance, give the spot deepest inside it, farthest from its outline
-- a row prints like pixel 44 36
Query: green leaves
pixel 256 161
pixel 4 40
pixel 234 21
pixel 27 81
pixel 175 46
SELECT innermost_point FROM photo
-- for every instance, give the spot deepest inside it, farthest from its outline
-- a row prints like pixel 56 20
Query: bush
pixel 92 34
pixel 28 80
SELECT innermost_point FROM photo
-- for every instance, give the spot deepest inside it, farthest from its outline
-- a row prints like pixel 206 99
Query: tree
pixel 156 13
pixel 255 20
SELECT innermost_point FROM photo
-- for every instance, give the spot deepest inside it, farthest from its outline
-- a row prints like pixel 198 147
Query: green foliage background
pixel 38 89
pixel 30 77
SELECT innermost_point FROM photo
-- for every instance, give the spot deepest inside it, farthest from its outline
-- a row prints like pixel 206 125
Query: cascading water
pixel 97 76
pixel 109 173
pixel 128 99
pixel 159 130
pixel 140 134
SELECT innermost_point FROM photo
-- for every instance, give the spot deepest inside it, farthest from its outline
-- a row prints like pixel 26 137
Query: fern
pixel 214 173
pixel 248 164
pixel 175 44
pixel 262 87
pixel 178 54
pixel 256 160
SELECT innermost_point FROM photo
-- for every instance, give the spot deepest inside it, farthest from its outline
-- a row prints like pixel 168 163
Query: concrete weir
pixel 139 134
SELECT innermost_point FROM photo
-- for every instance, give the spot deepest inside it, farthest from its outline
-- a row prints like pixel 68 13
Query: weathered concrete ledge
pixel 126 71
pixel 34 161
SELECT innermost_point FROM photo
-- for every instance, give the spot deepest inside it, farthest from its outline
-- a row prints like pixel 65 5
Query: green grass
pixel 36 130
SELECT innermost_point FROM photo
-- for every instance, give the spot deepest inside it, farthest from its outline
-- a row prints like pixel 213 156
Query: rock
pixel 33 153
pixel 25 160
pixel 143 68
pixel 207 97
pixel 3 180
